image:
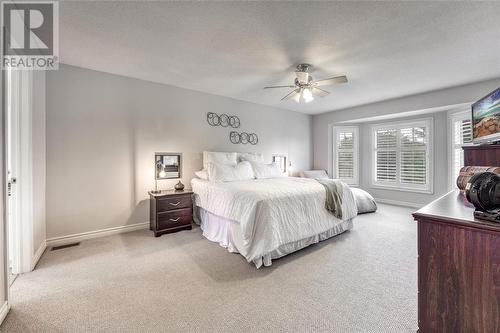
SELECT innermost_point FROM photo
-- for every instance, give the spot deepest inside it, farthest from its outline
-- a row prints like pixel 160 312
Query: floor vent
pixel 64 246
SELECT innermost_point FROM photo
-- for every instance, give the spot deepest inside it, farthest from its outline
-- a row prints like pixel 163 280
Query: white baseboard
pixel 68 239
pixel 4 310
pixel 400 203
pixel 38 254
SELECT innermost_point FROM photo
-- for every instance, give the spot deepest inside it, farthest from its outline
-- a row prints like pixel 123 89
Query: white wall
pixel 439 98
pixel 103 131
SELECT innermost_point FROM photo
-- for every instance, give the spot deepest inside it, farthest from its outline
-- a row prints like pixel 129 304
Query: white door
pixel 12 106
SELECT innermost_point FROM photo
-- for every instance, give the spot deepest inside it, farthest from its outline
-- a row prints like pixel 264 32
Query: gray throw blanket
pixel 333 201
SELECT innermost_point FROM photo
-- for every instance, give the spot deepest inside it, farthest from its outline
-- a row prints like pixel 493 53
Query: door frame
pixel 20 230
pixel 3 218
pixel 11 172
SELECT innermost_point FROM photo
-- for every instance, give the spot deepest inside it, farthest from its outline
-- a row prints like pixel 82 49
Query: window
pixel 460 134
pixel 345 157
pixel 402 156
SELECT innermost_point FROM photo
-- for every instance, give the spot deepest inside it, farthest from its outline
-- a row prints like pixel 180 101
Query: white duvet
pixel 272 212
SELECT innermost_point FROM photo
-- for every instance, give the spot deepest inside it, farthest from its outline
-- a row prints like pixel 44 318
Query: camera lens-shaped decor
pixel 482 191
pixel 223 120
pixel 243 138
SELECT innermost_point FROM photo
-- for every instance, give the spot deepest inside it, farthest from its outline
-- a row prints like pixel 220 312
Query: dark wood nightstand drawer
pixel 175 218
pixel 170 211
pixel 174 202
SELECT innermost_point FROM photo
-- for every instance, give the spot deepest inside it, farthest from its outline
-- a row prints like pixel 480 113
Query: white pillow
pixel 219 158
pixel 202 174
pixel 230 173
pixel 364 201
pixel 314 174
pixel 251 157
pixel 262 170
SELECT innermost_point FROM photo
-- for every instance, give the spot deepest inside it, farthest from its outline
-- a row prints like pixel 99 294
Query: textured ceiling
pixel 233 49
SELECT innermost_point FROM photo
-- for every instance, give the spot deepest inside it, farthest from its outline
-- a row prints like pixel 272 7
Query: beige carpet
pixel 361 281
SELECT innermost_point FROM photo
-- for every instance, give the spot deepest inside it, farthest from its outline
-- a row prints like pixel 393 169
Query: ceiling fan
pixel 305 88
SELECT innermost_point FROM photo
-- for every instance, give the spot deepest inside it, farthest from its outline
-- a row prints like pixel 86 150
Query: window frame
pixel 452 118
pixel 355 150
pixel 428 188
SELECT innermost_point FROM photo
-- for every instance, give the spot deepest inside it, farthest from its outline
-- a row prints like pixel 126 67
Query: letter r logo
pixel 28 28
pixel 18 24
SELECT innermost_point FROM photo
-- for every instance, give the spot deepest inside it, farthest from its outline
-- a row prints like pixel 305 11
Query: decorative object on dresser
pixel 167 166
pixel 483 191
pixel 458 268
pixel 179 186
pixel 467 172
pixel 170 211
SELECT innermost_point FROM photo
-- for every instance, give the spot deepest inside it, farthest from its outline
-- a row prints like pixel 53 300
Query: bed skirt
pixel 223 231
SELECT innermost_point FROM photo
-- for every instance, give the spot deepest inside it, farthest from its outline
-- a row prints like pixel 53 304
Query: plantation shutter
pixel 401 155
pixel 386 163
pixel 345 155
pixel 461 134
pixel 413 166
pixel 346 142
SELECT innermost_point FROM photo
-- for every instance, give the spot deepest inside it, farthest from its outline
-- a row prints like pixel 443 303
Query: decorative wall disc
pixel 213 119
pixel 223 120
pixel 253 139
pixel 234 122
pixel 243 138
pixel 234 137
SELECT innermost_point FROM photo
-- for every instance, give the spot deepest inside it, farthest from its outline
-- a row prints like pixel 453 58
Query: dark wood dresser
pixel 458 268
pixel 170 211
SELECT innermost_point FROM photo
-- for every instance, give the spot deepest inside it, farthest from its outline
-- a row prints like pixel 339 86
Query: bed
pixel 265 219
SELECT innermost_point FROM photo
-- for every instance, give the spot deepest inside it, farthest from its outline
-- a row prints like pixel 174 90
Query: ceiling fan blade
pixel 319 92
pixel 271 87
pixel 302 77
pixel 291 94
pixel 331 81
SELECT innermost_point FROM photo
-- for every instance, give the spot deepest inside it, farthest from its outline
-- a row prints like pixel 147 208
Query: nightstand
pixel 170 211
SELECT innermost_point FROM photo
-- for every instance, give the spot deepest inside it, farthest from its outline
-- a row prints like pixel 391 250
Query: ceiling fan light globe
pixel 307 95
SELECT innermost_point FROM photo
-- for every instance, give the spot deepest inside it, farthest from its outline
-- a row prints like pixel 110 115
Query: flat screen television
pixel 486 118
